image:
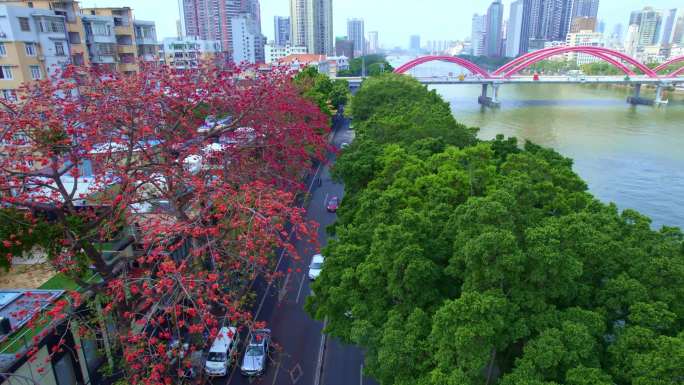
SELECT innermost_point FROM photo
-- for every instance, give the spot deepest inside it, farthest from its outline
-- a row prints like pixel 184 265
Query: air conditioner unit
pixel 41 58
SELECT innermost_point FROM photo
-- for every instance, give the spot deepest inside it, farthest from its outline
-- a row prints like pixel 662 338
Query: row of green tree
pixel 326 93
pixel 458 261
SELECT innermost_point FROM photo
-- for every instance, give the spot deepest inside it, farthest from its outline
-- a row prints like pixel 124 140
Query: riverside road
pixel 302 349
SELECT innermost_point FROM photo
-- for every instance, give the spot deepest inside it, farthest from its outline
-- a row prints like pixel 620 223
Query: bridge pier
pixel 638 100
pixel 485 100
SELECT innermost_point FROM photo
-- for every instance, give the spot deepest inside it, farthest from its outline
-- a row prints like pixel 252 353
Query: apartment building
pixel 71 12
pixel 33 45
pixel 124 34
pixel 188 52
pixel 146 40
pixel 101 41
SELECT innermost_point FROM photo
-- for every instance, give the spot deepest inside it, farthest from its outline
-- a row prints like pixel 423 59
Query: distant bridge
pixel 508 74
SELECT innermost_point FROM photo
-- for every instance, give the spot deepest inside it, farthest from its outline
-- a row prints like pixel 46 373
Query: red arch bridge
pixel 635 73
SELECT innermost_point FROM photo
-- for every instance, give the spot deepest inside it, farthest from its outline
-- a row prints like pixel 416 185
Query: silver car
pixel 256 355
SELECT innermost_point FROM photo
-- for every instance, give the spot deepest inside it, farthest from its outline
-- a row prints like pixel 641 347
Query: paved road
pixel 299 337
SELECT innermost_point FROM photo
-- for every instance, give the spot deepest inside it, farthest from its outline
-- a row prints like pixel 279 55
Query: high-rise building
pixel 601 26
pixel 373 42
pixel 526 26
pixel 514 30
pixel 312 25
pixel 550 19
pixel 344 47
pixel 585 8
pixel 414 45
pixel 668 29
pixel 678 35
pixel 635 18
pixel 356 33
pixel 281 30
pixel 650 27
pixel 211 19
pixel 632 40
pixel 494 29
pixel 583 23
pixel 587 38
pixel 248 43
pixel 477 35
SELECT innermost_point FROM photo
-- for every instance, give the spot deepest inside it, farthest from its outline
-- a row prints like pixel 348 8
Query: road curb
pixel 321 356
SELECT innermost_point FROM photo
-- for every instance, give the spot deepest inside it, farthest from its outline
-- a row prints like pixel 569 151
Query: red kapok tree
pixel 111 159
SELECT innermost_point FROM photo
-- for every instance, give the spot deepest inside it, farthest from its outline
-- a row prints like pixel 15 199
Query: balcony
pixel 128 67
pixel 126 49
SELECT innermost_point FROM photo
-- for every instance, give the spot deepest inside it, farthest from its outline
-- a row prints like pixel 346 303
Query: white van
pixel 221 352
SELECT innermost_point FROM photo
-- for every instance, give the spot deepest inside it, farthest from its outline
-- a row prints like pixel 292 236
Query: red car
pixel 333 204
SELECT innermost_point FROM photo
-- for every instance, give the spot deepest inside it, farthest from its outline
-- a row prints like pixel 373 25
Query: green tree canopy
pixel 465 262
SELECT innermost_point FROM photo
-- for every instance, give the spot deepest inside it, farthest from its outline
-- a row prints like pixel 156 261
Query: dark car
pixel 256 355
pixel 333 204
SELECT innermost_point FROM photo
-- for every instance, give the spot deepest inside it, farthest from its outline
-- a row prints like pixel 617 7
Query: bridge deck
pixel 542 80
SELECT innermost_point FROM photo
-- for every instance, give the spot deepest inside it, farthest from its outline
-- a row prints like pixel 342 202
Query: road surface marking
pixel 296 374
pixel 361 375
pixel 325 201
pixel 282 253
pixel 301 285
pixel 321 354
pixel 283 290
pixel 276 373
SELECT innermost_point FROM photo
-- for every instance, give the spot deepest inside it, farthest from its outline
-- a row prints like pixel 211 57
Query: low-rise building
pixel 33 45
pixel 584 38
pixel 101 41
pixel 124 33
pixel 188 52
pixel 298 62
pixel 275 52
pixel 146 40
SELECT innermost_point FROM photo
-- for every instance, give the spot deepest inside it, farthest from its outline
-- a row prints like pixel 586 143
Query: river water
pixel 633 156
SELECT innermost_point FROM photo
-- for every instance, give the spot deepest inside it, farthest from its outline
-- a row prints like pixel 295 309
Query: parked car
pixel 221 352
pixel 333 204
pixel 256 355
pixel 316 266
pixel 344 145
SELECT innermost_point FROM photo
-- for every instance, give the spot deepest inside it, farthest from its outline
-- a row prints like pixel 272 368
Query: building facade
pixel 274 53
pixel 669 27
pixel 124 35
pixel 585 38
pixel 373 42
pixel 344 47
pixel 281 30
pixel 146 40
pixel 248 43
pixel 33 46
pixel 514 29
pixel 101 41
pixel 678 34
pixel 585 8
pixel 650 27
pixel 312 25
pixel 494 29
pixel 188 52
pixel 357 34
pixel 211 19
pixel 414 43
pixel 477 35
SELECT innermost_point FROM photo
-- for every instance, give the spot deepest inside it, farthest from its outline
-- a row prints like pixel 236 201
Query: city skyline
pixel 382 16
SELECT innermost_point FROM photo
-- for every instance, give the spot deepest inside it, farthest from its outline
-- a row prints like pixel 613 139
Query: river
pixel 633 156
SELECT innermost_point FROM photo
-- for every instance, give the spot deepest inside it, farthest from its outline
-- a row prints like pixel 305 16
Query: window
pixel 59 48
pixel 6 73
pixel 35 72
pixel 24 24
pixel 8 95
pixel 74 38
pixel 52 25
pixel 3 50
pixel 30 49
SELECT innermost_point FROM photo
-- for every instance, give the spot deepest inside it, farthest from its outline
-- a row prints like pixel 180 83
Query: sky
pixel 395 20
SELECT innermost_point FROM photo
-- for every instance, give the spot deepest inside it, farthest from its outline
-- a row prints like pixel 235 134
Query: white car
pixel 221 352
pixel 316 266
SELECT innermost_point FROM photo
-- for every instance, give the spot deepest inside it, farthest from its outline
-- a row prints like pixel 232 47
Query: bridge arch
pixel 679 72
pixel 679 59
pixel 470 66
pixel 613 57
